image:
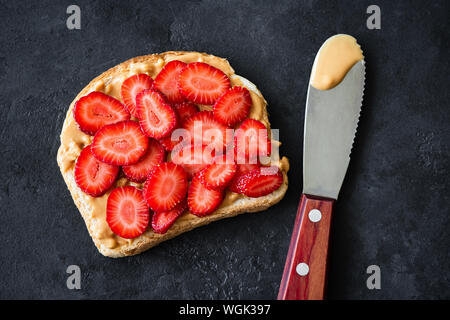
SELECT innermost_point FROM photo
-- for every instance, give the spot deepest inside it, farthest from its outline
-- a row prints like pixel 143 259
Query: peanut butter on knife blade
pixel 334 59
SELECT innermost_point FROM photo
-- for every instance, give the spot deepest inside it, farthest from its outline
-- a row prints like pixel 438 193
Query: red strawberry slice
pixel 185 110
pixel 242 169
pixel 166 81
pixel 127 213
pixel 120 144
pixel 168 143
pixel 156 116
pixel 173 140
pixel 247 167
pixel 251 140
pixel 233 107
pixel 192 158
pixel 131 87
pixel 139 171
pixel 92 176
pixel 166 186
pixel 256 184
pixel 205 129
pixel 217 176
pixel 162 221
pixel 96 110
pixel 201 200
pixel 201 83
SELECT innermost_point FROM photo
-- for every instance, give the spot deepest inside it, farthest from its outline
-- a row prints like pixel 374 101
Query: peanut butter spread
pixel 74 140
pixel 335 58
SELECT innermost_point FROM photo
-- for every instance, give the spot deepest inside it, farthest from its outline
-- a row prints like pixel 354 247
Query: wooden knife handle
pixel 304 276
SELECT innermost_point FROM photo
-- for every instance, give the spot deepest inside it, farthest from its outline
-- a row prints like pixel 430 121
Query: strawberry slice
pixel 92 176
pixel 185 110
pixel 217 176
pixel 120 144
pixel 162 221
pixel 233 107
pixel 166 81
pixel 96 110
pixel 205 129
pixel 156 116
pixel 255 184
pixel 192 158
pixel 126 212
pixel 131 87
pixel 251 140
pixel 247 167
pixel 166 186
pixel 201 83
pixel 201 200
pixel 242 169
pixel 168 143
pixel 139 171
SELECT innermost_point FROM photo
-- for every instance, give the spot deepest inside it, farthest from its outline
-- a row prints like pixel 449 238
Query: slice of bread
pixel 93 210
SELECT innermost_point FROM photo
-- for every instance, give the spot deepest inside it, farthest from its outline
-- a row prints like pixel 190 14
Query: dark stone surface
pixel 393 209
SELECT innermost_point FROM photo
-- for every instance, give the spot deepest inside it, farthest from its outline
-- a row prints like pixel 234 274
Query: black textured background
pixel 393 209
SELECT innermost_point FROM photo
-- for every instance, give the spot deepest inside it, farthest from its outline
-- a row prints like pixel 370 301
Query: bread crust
pixel 186 222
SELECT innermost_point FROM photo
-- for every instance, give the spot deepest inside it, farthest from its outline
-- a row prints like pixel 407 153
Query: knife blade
pixel 331 120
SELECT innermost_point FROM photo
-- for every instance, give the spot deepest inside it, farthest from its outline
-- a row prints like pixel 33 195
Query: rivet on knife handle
pixel 304 276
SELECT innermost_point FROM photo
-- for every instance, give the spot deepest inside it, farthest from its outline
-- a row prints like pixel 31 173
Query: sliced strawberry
pixel 233 185
pixel 233 107
pixel 166 81
pixel 96 110
pixel 174 139
pixel 242 169
pixel 131 87
pixel 251 140
pixel 201 83
pixel 127 213
pixel 192 158
pixel 257 184
pixel 185 110
pixel 92 176
pixel 120 144
pixel 168 143
pixel 166 186
pixel 217 176
pixel 162 221
pixel 205 129
pixel 201 200
pixel 139 171
pixel 156 116
pixel 247 167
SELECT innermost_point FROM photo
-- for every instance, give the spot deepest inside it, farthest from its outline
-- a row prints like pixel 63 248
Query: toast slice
pixel 93 210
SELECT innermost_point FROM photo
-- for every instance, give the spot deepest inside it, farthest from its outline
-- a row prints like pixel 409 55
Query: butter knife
pixel 331 120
